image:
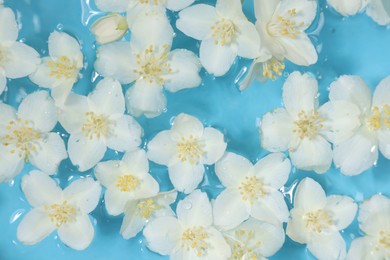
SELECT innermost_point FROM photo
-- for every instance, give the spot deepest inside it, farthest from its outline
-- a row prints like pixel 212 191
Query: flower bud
pixel 109 28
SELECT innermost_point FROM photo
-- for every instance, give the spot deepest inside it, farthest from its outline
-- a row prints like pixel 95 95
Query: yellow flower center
pixel 21 138
pixel 251 188
pixel 153 64
pixel 195 239
pixel 273 68
pixel 127 183
pixel 285 25
pixel 223 32
pixel 154 2
pixel 146 208
pixel 239 247
pixel 62 68
pixel 384 240
pixel 308 125
pixel 95 125
pixel 61 213
pixel 317 221
pixel 379 118
pixel 190 149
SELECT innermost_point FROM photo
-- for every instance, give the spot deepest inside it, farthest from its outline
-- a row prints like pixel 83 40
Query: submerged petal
pixel 379 11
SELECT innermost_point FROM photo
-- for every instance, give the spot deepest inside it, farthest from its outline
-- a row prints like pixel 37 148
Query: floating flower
pixel 185 149
pixel 139 212
pixel 126 180
pixel 225 32
pixel 148 63
pixel 374 221
pixel 254 240
pixel 347 7
pixel 281 25
pixel 96 122
pixel 60 70
pixel 136 7
pixel 360 152
pixel 251 190
pixel 109 28
pixel 190 235
pixel 54 209
pixel 25 136
pixel 316 220
pixel 17 60
pixel 303 128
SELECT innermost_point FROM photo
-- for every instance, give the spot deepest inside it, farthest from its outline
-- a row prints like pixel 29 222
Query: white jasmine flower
pixel 281 25
pixel 60 70
pixel 251 190
pixel 360 151
pixel 316 220
pixel 254 240
pixel 185 149
pixel 300 127
pixel 17 60
pixel 225 33
pixel 126 180
pixel 148 63
pixel 136 7
pixel 96 122
pixel 109 28
pixel 54 209
pixel 374 221
pixel 139 212
pixel 25 136
pixel 348 7
pixel 190 235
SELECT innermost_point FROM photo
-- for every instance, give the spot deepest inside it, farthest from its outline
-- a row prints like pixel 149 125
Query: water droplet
pixel 187 205
pixel 60 26
pixel 16 215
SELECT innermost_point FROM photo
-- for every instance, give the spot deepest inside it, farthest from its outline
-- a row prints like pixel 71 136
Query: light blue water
pixel 347 46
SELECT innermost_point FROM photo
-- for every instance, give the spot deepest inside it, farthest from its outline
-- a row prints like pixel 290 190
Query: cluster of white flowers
pixel 245 221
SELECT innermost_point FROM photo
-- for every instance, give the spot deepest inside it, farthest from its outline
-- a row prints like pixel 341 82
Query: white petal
pixel 161 149
pixel 231 169
pixel 315 154
pixel 77 235
pixel 309 196
pixel 117 61
pixel 219 248
pixel 296 228
pixel 382 93
pixel 163 235
pixel 3 81
pixel 136 161
pixel 271 208
pixel 248 40
pixel 177 5
pixel 360 249
pixel 300 93
pixel 216 59
pixel 373 214
pixel 231 9
pixel 85 153
pixel 73 114
pixel 229 210
pixel 185 177
pixel 185 67
pixel 125 135
pixel 352 89
pixel 145 98
pixel 195 210
pixel 107 172
pixel 214 145
pixel 185 125
pixel 342 119
pixel 85 193
pixel 40 189
pixel 273 170
pixel 107 98
pixel 112 5
pixel 357 154
pixel 384 142
pixel 300 51
pixel 135 8
pixel 306 11
pixel 115 201
pixel 8 114
pixel 39 108
pixel 49 154
pixel 379 11
pixel 34 227
pixel 62 44
pixel 151 27
pixel 196 21
pixel 346 8
pixel 276 130
pixel 8 26
pixel 328 247
pixel 10 164
pixel 132 223
pixel 264 9
pixel 342 210
pixel 23 60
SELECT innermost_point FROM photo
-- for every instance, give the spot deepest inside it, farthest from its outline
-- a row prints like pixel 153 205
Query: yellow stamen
pixel 317 221
pixel 251 189
pixel 239 245
pixel 61 213
pixel 223 32
pixel 308 125
pixel 195 239
pixel 146 208
pixel 62 68
pixel 154 2
pixel 379 118
pixel 285 25
pixel 273 68
pixel 190 149
pixel 127 183
pixel 95 125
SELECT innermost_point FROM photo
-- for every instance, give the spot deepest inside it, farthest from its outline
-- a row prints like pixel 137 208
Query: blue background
pixel 354 45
